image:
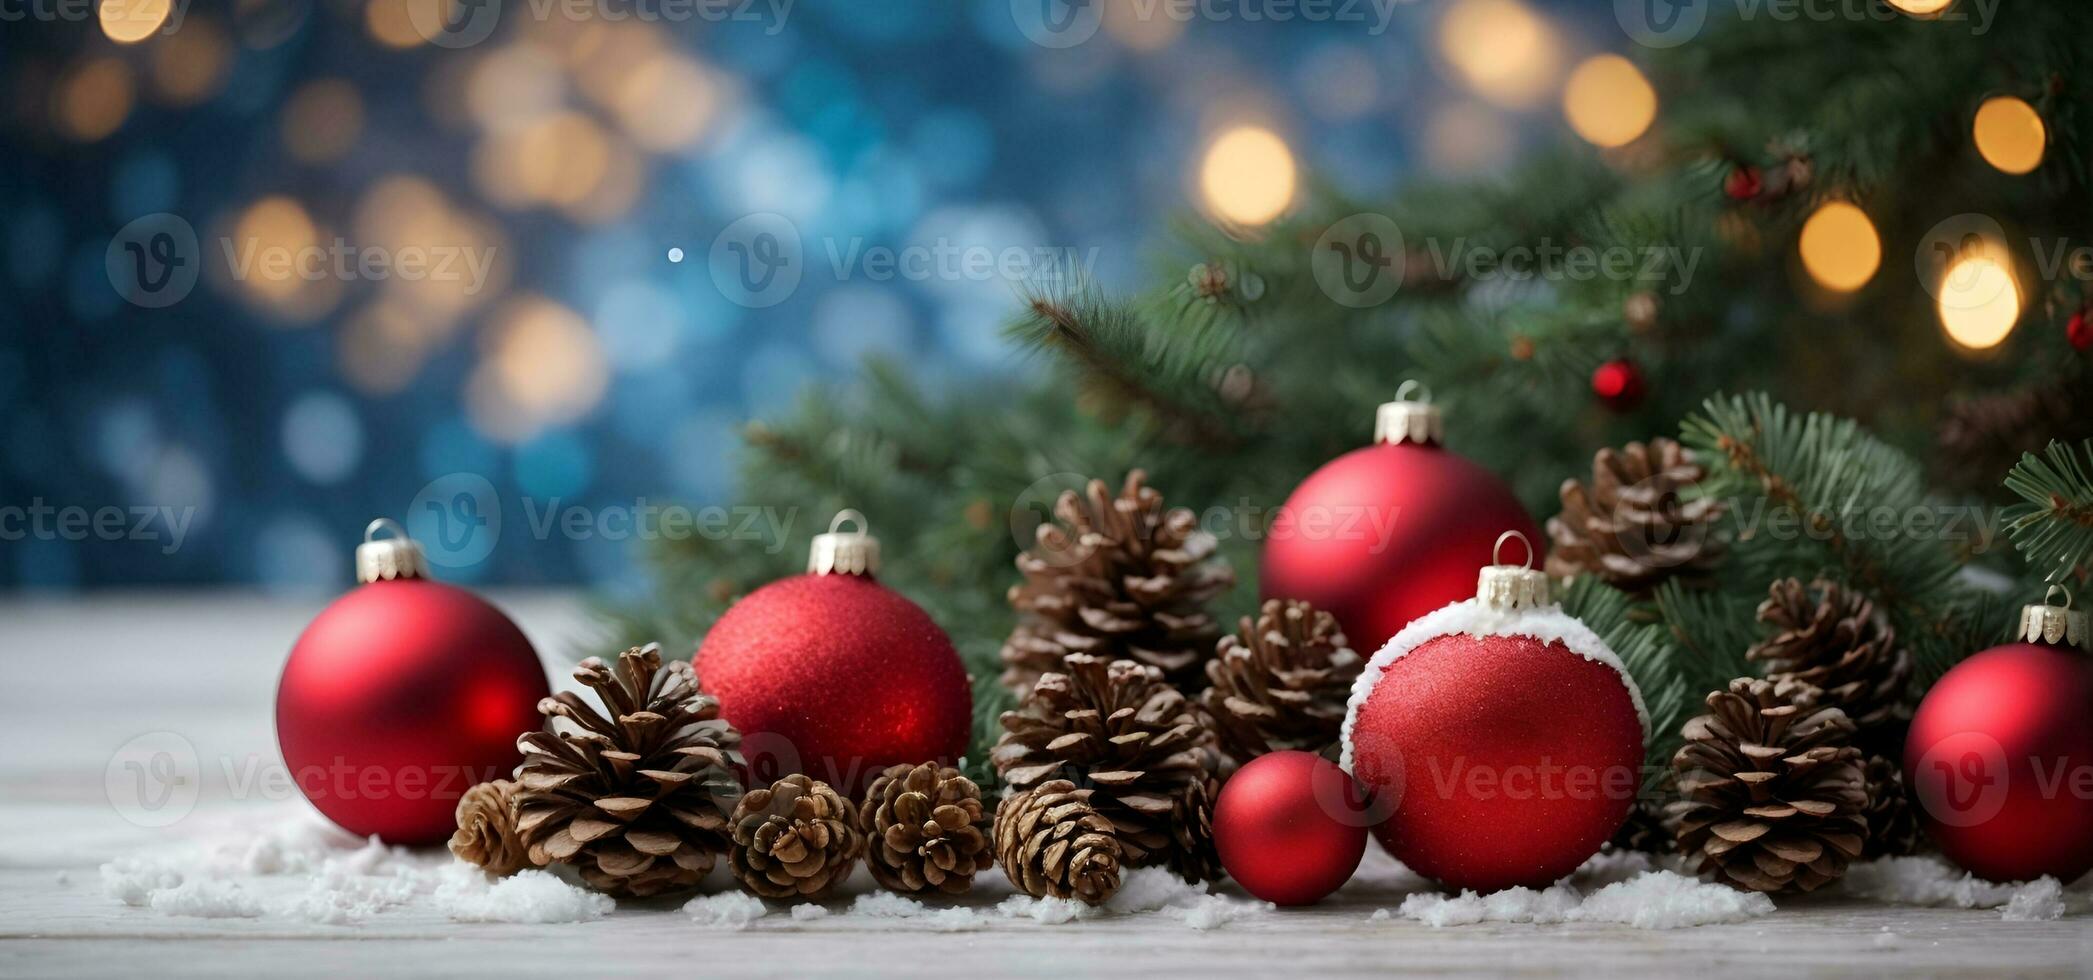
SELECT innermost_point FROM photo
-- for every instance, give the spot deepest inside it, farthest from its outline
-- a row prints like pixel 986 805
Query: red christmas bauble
pixel 1743 183
pixel 1505 741
pixel 1619 384
pixel 398 698
pixel 2000 758
pixel 836 676
pixel 1383 535
pixel 1290 827
pixel 2079 331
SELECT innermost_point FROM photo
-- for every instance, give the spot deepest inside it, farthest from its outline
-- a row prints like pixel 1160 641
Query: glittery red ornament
pixel 1502 735
pixel 1743 183
pixel 1383 535
pixel 402 695
pixel 2079 331
pixel 834 675
pixel 1619 384
pixel 2000 754
pixel 1290 827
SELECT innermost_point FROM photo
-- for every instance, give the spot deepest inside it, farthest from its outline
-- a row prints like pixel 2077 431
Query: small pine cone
pixel 1118 729
pixel 797 839
pixel 1633 527
pixel 487 834
pixel 1193 854
pixel 1893 816
pixel 1282 682
pixel 1119 577
pixel 1053 844
pixel 1831 639
pixel 637 801
pixel 925 829
pixel 1773 797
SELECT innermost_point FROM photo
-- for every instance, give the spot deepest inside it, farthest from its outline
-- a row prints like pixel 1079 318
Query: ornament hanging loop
pixel 2063 625
pixel 383 559
pixel 841 552
pixel 1409 419
pixel 1505 588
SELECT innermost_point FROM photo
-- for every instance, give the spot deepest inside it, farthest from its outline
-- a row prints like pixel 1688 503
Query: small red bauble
pixel 1743 183
pixel 1290 827
pixel 2000 754
pixel 2079 331
pixel 1502 736
pixel 401 695
pixel 1619 384
pixel 1383 535
pixel 834 675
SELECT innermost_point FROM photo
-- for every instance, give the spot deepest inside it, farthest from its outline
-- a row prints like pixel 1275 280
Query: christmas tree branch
pixel 2053 525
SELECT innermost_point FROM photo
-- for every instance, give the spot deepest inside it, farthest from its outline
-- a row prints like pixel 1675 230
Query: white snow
pixel 887 905
pixel 1930 880
pixel 2041 900
pixel 531 895
pixel 1651 900
pixel 1142 890
pixel 808 911
pixel 726 910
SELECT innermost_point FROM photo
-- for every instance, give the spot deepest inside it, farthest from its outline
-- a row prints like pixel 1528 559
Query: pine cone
pixel 1052 844
pixel 925 829
pixel 1646 830
pixel 797 839
pixel 1893 816
pixel 1117 728
pixel 1631 527
pixel 487 829
pixel 1119 578
pixel 637 802
pixel 1774 798
pixel 1831 639
pixel 1282 682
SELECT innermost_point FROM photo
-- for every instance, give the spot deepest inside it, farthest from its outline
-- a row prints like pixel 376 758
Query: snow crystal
pixel 206 899
pixel 887 905
pixel 1045 911
pixel 1924 880
pixel 807 912
pixel 531 895
pixel 2041 900
pixel 1650 900
pixel 726 910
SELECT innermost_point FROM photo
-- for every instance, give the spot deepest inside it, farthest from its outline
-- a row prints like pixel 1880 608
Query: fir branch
pixel 1107 345
pixel 2053 525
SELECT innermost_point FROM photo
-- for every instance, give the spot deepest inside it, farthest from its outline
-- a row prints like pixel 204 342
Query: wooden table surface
pixel 87 676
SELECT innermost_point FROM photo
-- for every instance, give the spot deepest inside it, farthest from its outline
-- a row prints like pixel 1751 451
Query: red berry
pixel 2079 331
pixel 1744 183
pixel 1619 384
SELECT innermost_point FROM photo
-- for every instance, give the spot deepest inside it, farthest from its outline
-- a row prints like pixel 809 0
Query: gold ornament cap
pixel 1505 588
pixel 384 559
pixel 841 552
pixel 1408 419
pixel 2058 625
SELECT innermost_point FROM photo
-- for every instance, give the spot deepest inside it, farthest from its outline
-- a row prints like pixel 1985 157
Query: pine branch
pixel 2053 526
pixel 1108 346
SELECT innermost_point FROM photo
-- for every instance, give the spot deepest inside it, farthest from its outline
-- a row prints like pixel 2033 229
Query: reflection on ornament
pixel 1839 247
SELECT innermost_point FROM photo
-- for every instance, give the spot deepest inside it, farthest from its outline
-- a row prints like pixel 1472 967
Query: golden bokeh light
pixel 1467 137
pixel 515 86
pixel 1247 177
pixel 1501 49
pixel 93 99
pixel 407 215
pixel 322 121
pixel 2009 134
pixel 1978 299
pixel 665 103
pixel 273 226
pixel 189 65
pixel 132 21
pixel 1608 102
pixel 391 22
pixel 1922 8
pixel 1839 247
pixel 540 365
pixel 381 348
pixel 1142 27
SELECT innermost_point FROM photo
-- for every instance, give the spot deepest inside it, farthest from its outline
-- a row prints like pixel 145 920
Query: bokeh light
pixel 1978 299
pixel 322 121
pixel 540 366
pixel 1839 247
pixel 93 99
pixel 1609 102
pixel 132 21
pixel 1142 27
pixel 664 103
pixel 1468 137
pixel 189 65
pixel 2009 134
pixel 391 22
pixel 1922 8
pixel 1247 177
pixel 278 261
pixel 1502 49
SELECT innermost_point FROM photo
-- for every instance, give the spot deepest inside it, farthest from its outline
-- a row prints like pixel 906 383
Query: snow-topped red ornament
pixel 1502 736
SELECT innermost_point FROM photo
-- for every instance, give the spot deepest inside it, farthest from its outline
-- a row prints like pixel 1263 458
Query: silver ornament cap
pixel 2056 625
pixel 841 552
pixel 384 559
pixel 1505 588
pixel 1411 417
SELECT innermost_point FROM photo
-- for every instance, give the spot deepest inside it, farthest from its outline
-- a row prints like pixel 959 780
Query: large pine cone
pixel 486 834
pixel 1115 727
pixel 797 839
pixel 925 829
pixel 1774 797
pixel 1632 527
pixel 638 801
pixel 1831 638
pixel 1282 682
pixel 1893 816
pixel 1053 844
pixel 1121 578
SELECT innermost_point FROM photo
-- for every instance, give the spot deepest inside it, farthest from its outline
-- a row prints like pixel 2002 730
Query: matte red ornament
pixel 2000 754
pixel 403 694
pixel 2079 331
pixel 1383 535
pixel 1743 183
pixel 1501 734
pixel 1619 384
pixel 1290 827
pixel 834 675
